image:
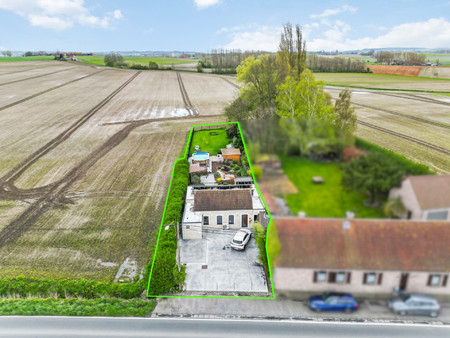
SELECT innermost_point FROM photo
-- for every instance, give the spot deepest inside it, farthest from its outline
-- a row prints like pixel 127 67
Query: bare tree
pixel 292 51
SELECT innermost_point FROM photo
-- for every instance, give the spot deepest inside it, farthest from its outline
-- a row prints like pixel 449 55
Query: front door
pixel 403 281
pixel 244 221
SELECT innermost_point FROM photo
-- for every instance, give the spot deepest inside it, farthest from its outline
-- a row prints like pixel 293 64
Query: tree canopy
pixel 373 173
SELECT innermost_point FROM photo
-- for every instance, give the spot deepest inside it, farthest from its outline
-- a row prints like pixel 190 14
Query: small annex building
pixel 364 257
pixel 231 154
pixel 218 208
pixel 425 197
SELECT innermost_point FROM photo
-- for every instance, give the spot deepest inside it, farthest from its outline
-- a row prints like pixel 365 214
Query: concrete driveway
pixel 212 266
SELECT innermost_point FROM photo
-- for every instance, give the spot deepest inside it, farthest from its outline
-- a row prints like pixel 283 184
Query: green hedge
pixel 65 288
pixel 409 167
pixel 165 275
pixel 76 307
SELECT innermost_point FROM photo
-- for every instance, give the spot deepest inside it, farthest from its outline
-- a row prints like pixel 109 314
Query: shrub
pixel 408 166
pixel 153 65
pixel 138 66
pixel 257 171
pixel 165 275
pixel 349 153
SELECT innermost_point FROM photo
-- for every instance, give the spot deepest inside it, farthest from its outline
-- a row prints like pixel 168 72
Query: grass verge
pixel 26 58
pixel 111 307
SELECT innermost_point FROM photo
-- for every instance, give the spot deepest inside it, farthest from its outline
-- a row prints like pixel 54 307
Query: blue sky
pixel 200 25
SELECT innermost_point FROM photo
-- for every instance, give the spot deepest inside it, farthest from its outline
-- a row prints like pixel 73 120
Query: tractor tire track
pixel 46 91
pixel 231 83
pixel 15 173
pixel 406 137
pixel 25 70
pixel 37 76
pixel 56 194
pixel 416 98
pixel 185 96
pixel 442 125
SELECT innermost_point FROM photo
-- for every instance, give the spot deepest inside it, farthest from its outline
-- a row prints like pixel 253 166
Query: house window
pixel 437 280
pixel 340 277
pixel 373 278
pixel 219 220
pixel 231 219
pixel 205 220
pixel 437 215
pixel 332 277
pixel 320 276
pixel 255 218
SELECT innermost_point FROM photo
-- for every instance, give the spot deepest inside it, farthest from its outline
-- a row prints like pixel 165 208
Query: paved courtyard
pixel 211 264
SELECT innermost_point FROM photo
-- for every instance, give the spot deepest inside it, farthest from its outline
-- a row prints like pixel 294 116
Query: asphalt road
pixel 162 327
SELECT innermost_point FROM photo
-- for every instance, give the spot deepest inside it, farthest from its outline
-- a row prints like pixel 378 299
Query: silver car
pixel 241 239
pixel 415 304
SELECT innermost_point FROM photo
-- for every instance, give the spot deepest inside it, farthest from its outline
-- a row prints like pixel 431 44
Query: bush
pixel 409 167
pixel 257 171
pixel 153 65
pixel 113 60
pixel 165 275
pixel 138 66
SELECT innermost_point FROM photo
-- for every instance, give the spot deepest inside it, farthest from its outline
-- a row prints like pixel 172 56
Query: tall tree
pixel 291 56
pixel 304 97
pixel 7 53
pixel 345 116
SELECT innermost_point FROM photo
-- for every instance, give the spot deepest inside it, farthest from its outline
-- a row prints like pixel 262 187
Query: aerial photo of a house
pixel 221 199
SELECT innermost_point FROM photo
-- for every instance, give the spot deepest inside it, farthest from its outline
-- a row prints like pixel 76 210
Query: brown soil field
pixel 439 72
pixel 85 166
pixel 424 119
pixel 396 70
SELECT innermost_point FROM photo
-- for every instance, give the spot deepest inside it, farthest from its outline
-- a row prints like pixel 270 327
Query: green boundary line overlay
pixel 164 212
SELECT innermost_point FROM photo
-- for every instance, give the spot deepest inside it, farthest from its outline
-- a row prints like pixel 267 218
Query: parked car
pixel 333 301
pixel 241 239
pixel 415 304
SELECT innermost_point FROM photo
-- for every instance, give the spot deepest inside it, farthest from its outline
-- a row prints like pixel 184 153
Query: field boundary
pixel 186 153
pixel 387 89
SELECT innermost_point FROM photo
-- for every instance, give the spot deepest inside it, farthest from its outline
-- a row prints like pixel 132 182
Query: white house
pixel 364 257
pixel 220 208
pixel 425 197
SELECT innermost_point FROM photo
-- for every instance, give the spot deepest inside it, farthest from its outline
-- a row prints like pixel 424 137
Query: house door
pixel 244 220
pixel 403 281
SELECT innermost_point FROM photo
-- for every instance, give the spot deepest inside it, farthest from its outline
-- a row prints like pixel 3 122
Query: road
pixel 165 327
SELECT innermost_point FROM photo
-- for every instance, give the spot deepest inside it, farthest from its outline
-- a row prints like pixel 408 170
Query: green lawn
pixel 323 200
pixel 26 58
pixel 208 142
pixel 98 60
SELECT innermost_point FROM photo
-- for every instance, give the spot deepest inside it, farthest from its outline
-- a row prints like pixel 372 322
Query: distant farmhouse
pixel 424 197
pixel 365 257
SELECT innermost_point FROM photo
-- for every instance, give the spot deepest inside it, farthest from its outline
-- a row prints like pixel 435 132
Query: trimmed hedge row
pixel 409 167
pixel 165 275
pixel 65 288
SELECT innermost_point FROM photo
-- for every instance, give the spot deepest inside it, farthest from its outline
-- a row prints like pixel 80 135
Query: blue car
pixel 333 301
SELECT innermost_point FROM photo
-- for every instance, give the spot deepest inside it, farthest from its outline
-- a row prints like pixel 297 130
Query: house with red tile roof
pixel 364 257
pixel 424 197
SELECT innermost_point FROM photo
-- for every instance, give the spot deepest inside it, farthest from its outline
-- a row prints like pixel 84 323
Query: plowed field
pixel 85 160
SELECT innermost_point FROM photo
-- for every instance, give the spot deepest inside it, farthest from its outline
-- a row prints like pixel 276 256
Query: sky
pixel 201 25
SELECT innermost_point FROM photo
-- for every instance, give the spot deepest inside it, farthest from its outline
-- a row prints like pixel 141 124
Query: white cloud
pixel 433 33
pixel 333 11
pixel 253 37
pixel 58 14
pixel 202 4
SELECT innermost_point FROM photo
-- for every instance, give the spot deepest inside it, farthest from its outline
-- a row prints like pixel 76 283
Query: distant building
pixel 424 197
pixel 364 257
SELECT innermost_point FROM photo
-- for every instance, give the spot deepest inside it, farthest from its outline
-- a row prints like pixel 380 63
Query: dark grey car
pixel 415 304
